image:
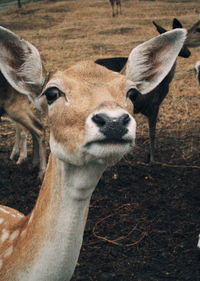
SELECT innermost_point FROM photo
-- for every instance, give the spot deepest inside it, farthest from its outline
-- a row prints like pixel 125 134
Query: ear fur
pixel 149 63
pixel 21 64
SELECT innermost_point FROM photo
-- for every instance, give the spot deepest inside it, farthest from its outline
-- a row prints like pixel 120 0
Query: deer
pixel 149 104
pixel 117 4
pixel 197 71
pixel 193 38
pixel 19 150
pixel 85 138
pixel 193 35
pixel 19 108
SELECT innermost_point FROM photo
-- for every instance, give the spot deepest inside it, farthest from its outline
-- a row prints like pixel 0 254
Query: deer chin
pixel 108 152
pixel 103 152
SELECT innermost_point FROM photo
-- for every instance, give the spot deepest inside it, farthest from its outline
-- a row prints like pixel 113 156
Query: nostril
pixel 125 119
pixel 99 119
pixel 112 126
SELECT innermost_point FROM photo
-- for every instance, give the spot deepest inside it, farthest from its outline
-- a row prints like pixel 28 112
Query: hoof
pixel 14 156
pixel 20 161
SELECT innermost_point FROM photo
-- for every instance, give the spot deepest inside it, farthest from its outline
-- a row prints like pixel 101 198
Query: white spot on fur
pixel 23 233
pixel 2 220
pixel 19 215
pixel 8 252
pixel 14 235
pixel 31 218
pixel 5 235
pixel 4 211
pixel 13 215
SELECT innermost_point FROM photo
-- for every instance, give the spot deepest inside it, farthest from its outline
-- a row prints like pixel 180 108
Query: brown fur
pixel 93 84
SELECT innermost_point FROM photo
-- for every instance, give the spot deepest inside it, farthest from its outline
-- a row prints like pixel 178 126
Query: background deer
pixel 116 5
pixel 85 138
pixel 149 104
pixel 19 150
pixel 19 109
pixel 193 38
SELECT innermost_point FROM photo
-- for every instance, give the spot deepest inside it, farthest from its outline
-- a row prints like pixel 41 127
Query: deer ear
pixel 176 24
pixel 21 64
pixel 159 28
pixel 149 63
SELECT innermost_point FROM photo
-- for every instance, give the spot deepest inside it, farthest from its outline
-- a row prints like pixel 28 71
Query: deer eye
pixel 52 94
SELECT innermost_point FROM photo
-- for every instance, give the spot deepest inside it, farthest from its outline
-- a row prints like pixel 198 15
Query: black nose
pixel 112 127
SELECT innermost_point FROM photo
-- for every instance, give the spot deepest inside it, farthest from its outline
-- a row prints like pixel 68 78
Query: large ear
pixel 149 63
pixel 159 28
pixel 176 24
pixel 21 65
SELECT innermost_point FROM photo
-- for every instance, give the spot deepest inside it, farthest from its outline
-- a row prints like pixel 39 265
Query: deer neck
pixel 58 220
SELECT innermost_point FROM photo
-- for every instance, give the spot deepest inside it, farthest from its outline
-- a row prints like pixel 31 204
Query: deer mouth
pixel 108 141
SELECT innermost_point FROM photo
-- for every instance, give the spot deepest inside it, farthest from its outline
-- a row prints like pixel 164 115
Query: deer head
pixel 193 38
pixel 193 35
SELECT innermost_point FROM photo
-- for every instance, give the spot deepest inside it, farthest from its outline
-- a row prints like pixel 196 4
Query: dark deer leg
pixel 117 12
pixel 152 120
pixel 113 11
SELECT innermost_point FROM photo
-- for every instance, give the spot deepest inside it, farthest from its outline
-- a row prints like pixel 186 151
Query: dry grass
pixel 72 30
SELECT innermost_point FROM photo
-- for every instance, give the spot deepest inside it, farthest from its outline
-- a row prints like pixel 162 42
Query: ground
pixel 144 220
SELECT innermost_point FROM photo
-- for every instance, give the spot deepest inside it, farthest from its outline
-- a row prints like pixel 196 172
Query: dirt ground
pixel 144 221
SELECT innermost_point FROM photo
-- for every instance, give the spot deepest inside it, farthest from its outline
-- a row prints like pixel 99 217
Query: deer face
pixel 88 114
pixel 193 38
